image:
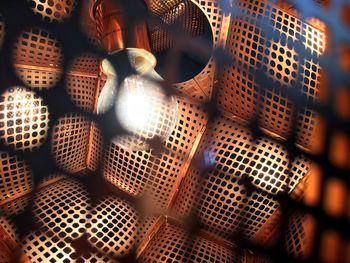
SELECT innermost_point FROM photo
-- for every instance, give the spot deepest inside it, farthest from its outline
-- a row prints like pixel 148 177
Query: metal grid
pixel 41 247
pixel 185 13
pixel 86 64
pixel 24 119
pixel 82 91
pixel 69 144
pixel 15 207
pixel 273 105
pixel 252 47
pixel 15 177
pixel 37 58
pixel 53 10
pixel 38 79
pixel 147 226
pixel 299 234
pixel 160 121
pixel 9 227
pixel 221 199
pixel 159 7
pixel 9 237
pixel 62 208
pixel 144 172
pixel 172 244
pixel 200 87
pixel 37 47
pixel 113 227
pixel 219 23
pixel 64 213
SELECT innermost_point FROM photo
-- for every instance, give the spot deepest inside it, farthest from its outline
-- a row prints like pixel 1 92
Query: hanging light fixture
pixel 140 104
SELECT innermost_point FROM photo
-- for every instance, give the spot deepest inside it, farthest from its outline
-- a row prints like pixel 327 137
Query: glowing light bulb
pixel 141 106
pixel 134 106
pixel 144 110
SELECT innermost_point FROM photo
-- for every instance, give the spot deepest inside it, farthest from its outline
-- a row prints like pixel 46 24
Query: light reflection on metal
pixel 24 119
pixel 111 19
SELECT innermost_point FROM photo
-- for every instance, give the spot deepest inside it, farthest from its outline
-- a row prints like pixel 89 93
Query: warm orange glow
pixel 227 159
pixel 335 197
pixel 24 119
pixel 330 245
pixel 339 153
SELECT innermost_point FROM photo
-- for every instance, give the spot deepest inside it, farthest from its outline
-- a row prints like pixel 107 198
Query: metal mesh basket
pixel 255 170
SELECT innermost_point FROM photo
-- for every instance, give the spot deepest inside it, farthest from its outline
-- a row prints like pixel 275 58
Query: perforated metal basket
pixel 255 170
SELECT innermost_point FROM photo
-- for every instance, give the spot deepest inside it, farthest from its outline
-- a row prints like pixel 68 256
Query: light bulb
pixel 144 110
pixel 141 106
pixel 134 108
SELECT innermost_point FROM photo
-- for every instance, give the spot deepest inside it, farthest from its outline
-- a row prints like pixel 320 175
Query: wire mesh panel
pixel 96 141
pixel 190 18
pixel 275 54
pixel 242 183
pixel 15 177
pixel 143 171
pixel 53 9
pixel 203 82
pixel 266 235
pixel 64 212
pixel 9 237
pixel 69 142
pixel 88 26
pixel 145 111
pixel 148 225
pixel 37 58
pixel 37 47
pixel 23 119
pixel 23 199
pixel 160 7
pixel 82 81
pixel 86 63
pixel 193 16
pixel 236 160
pixel 38 79
pixel 40 247
pixel 43 247
pixel 62 208
pixel 82 91
pixel 10 228
pixel 113 227
pixel 298 238
pixel 172 244
pixel 15 206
